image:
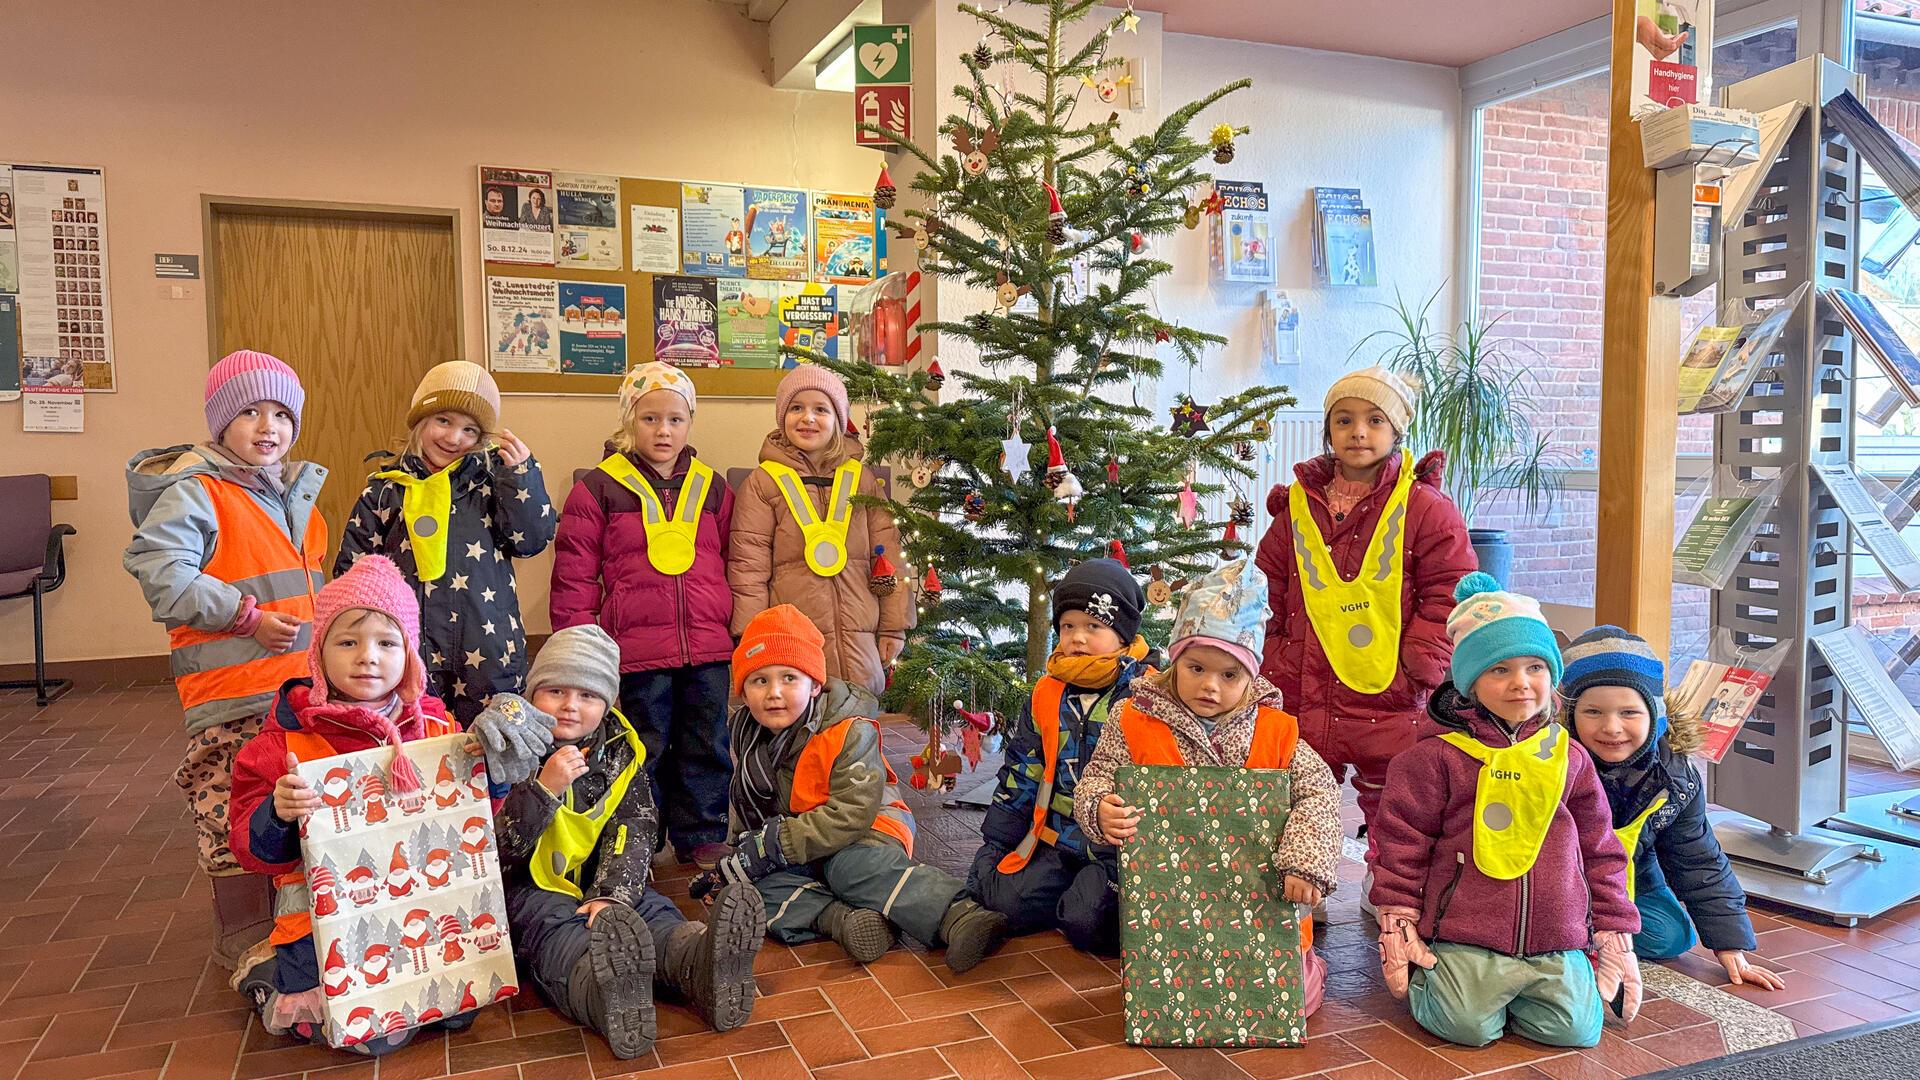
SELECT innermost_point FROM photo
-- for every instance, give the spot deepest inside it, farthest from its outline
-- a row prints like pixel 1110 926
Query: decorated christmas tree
pixel 1037 453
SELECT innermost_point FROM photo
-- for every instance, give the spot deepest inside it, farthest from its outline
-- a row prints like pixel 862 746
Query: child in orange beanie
pixel 816 812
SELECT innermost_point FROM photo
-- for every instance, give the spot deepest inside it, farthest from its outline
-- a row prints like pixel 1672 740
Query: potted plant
pixel 1473 403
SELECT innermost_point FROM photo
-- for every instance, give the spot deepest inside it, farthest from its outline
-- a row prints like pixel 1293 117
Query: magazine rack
pixel 1786 773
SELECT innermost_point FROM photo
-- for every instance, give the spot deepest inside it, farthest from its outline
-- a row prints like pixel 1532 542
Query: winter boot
pixel 863 932
pixel 242 915
pixel 711 964
pixel 610 988
pixel 972 933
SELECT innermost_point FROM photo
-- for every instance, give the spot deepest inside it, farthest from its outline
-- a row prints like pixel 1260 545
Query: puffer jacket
pixel 767 566
pixel 1438 555
pixel 1676 844
pixel 601 573
pixel 471 637
pixel 1423 834
pixel 174 534
pixel 618 868
pixel 1309 845
pixel 859 788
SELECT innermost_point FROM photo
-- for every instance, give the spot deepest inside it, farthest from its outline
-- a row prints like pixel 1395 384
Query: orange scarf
pixel 1094 672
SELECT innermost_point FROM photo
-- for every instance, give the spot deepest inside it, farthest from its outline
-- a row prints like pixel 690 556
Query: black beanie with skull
pixel 1104 589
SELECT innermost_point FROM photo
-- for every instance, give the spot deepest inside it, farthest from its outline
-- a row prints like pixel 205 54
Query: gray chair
pixel 33 562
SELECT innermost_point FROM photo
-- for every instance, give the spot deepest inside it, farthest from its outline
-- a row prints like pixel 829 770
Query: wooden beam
pixel 1639 414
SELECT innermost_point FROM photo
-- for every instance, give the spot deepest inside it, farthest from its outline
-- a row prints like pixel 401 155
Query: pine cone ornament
pixel 982 56
pixel 884 192
pixel 982 323
pixel 1223 153
pixel 974 506
pixel 1243 450
pixel 882 579
pixel 1241 511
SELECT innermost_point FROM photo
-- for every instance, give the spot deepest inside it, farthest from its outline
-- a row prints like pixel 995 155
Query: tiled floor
pixel 104 930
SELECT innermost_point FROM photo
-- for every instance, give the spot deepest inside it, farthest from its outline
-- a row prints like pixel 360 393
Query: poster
pixel 843 244
pixel 589 211
pixel 523 324
pixel 409 908
pixel 9 347
pixel 685 321
pixel 810 319
pixel 1244 231
pixel 54 409
pixel 516 216
pixel 593 328
pixel 1672 54
pixel 60 241
pixel 749 324
pixel 9 253
pixel 713 236
pixel 656 239
pixel 776 234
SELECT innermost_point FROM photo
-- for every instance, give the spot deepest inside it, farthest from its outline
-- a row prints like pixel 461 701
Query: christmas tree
pixel 1027 196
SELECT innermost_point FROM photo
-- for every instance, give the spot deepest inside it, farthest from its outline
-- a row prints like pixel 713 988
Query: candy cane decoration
pixel 913 316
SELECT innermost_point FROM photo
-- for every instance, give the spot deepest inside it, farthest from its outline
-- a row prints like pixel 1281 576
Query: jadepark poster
pixel 713 236
pixel 776 227
pixel 593 328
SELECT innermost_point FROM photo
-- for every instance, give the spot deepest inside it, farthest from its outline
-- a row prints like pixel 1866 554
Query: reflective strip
pixel 841 505
pixel 887 908
pixel 693 494
pixel 797 500
pixel 226 710
pixel 292 898
pixel 280 584
pixel 791 897
pixel 228 651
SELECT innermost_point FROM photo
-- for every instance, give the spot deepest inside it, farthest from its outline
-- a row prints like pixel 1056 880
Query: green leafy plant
pixel 1476 395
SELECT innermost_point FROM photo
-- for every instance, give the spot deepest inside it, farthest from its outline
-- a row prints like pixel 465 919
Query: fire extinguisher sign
pixel 883 84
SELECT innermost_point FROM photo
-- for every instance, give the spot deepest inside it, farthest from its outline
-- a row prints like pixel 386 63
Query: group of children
pixel 712 682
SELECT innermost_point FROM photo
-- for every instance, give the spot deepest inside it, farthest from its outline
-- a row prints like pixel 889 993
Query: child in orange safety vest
pixel 1211 707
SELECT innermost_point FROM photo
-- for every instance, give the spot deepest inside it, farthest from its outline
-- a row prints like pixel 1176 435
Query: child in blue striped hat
pixel 1612 688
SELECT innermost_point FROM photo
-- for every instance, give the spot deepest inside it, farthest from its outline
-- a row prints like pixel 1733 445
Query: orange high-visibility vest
pixel 292 903
pixel 1045 708
pixel 1151 741
pixel 814 770
pixel 253 554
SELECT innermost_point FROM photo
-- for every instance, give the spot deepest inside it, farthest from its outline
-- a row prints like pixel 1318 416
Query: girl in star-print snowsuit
pixel 458 463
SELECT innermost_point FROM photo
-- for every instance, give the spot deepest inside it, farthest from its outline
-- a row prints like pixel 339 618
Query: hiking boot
pixel 610 988
pixel 711 964
pixel 863 932
pixel 242 915
pixel 972 933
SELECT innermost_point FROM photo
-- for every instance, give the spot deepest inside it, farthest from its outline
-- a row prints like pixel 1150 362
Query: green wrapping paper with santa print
pixel 1210 945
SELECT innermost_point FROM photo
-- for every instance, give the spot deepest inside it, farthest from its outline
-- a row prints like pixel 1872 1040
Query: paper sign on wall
pixel 59 214
pixel 1672 53
pixel 593 328
pixel 523 324
pixel 516 215
pixel 843 244
pixel 776 226
pixel 656 239
pixel 686 321
pixel 589 206
pixel 713 236
pixel 54 409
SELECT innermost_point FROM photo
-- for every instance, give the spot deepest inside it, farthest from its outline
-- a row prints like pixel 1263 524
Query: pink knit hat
pixel 811 377
pixel 243 377
pixel 373 583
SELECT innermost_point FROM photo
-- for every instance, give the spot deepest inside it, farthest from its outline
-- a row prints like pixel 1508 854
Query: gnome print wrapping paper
pixel 1211 946
pixel 409 913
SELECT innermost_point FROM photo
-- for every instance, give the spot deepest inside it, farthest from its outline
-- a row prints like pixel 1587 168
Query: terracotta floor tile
pixel 1518 1072
pixel 13 1054
pixel 716 1069
pixel 715 1044
pixel 1333 1017
pixel 1054 1000
pixel 1107 1030
pixel 1575 1066
pixel 1077 969
pixel 863 1004
pixel 917 1034
pixel 1199 1064
pixel 1106 999
pixel 1504 1053
pixel 90 1066
pixel 49 1004
pixel 476 1056
pixel 1001 966
pixel 1401 1054
pixel 1819 1015
pixel 1366 1070
pixel 1100 1063
pixel 913 1065
pixel 799 978
pixel 1687 1045
pixel 1824 965
pixel 1670 1014
pixel 283 1060
pixel 982 1059
pixel 774 956
pixel 1777 944
pixel 957 999
pixel 1027 1036
pixel 792 1003
pixel 1801 986
pixel 1625 1058
pixel 823 1039
pixel 779 1063
pixel 501 1072
pixel 1322 1054
pixel 902 973
pixel 1885 967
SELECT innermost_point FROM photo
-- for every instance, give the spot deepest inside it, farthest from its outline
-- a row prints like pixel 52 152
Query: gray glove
pixel 515 735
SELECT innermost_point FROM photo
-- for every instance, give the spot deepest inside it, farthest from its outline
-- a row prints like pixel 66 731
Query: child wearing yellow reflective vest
pixel 1614 707
pixel 642 553
pixel 798 537
pixel 1494 843
pixel 462 500
pixel 576 843
pixel 1036 865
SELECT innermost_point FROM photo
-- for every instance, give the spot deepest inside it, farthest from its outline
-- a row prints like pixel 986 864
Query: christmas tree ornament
pixel 1069 491
pixel 982 56
pixel 882 579
pixel 1189 505
pixel 1230 541
pixel 1215 203
pixel 981 323
pixel 1113 470
pixel 907 232
pixel 935 768
pixel 1262 430
pixel 1222 140
pixel 1118 553
pixel 883 190
pixel 1136 241
pixel 1106 87
pixel 1241 511
pixel 930 586
pixel 1243 450
pixel 1189 417
pixel 1158 591
pixel 1056 462
pixel 936 376
pixel 974 506
pixel 1056 217
pixel 1013 456
pixel 1138 186
pixel 922 475
pixel 970 747
pixel 1103 136
pixel 1161 335
pixel 1191 218
pixel 974 149
pixel 1129 21
pixel 1009 294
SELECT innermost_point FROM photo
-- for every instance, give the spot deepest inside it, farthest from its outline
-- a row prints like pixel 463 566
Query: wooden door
pixel 361 305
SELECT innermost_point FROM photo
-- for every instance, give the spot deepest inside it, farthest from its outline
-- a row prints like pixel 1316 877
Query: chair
pixel 33 562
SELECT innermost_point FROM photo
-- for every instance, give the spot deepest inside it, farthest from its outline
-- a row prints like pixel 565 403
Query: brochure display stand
pixel 1785 774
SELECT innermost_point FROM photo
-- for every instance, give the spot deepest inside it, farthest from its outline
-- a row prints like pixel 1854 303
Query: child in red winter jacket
pixel 367 687
pixel 1361 561
pixel 1495 843
pixel 642 551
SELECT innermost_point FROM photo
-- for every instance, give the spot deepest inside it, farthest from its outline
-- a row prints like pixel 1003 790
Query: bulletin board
pixel 798 300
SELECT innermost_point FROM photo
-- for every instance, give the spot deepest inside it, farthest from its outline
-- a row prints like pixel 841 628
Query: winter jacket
pixel 601 573
pixel 1309 846
pixel 860 785
pixel 1438 555
pixel 1677 843
pixel 618 868
pixel 1010 815
pixel 766 566
pixel 1423 837
pixel 471 637
pixel 175 534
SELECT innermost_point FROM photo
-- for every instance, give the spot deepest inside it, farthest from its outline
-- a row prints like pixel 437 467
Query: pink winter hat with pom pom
pixel 374 584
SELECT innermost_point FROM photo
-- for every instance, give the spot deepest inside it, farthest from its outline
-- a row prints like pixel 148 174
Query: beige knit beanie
pixel 1383 389
pixel 457 386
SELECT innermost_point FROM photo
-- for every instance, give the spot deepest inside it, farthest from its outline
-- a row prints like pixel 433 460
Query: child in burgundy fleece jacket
pixel 1495 844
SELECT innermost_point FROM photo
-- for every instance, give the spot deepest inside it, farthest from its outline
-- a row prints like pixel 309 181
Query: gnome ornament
pixel 1222 140
pixel 1056 462
pixel 884 192
pixel 1118 553
pixel 1056 217
pixel 931 587
pixel 973 506
pixel 936 377
pixel 882 579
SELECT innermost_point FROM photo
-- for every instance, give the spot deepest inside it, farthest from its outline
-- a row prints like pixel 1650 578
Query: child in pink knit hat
pixel 798 538
pixel 228 549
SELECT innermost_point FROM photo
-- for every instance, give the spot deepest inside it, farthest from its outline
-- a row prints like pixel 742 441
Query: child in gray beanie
pixel 576 840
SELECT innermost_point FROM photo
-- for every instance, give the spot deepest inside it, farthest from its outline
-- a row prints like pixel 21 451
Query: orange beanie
pixel 780 635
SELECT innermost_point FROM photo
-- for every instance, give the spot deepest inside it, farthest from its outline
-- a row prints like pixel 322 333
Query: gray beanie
pixel 582 657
